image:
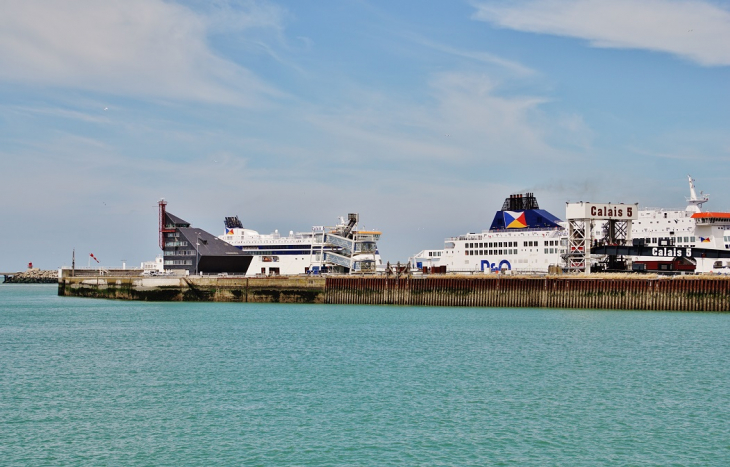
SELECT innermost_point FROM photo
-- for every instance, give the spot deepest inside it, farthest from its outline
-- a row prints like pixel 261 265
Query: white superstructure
pixel 689 228
pixel 343 248
pixel 522 238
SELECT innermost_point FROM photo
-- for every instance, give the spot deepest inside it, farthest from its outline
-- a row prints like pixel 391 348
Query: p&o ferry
pixel 522 238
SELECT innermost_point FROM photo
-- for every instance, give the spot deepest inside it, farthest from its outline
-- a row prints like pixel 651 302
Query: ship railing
pixel 484 235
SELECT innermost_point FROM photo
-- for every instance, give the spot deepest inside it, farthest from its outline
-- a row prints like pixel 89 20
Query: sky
pixel 420 116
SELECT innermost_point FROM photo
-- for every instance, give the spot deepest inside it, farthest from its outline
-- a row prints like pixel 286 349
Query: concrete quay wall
pixel 691 293
pixel 197 289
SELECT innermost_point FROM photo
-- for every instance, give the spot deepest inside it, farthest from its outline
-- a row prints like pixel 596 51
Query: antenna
pixel 694 203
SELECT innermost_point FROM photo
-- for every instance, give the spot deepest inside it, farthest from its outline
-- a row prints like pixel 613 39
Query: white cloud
pixel 467 120
pixel 127 47
pixel 692 29
pixel 477 56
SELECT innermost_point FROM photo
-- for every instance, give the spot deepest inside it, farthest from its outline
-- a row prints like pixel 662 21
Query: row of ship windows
pixel 490 252
pixel 494 244
pixel 172 234
pixel 678 240
pixel 434 253
pixel 508 252
pixel 529 243
pixel 275 252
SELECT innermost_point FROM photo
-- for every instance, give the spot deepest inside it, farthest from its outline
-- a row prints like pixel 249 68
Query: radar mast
pixel 694 203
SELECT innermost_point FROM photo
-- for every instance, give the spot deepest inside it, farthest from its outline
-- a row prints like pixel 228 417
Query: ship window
pixel 692 239
pixel 665 215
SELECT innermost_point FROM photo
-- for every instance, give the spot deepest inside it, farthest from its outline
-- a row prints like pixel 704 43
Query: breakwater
pixel 31 276
pixel 692 293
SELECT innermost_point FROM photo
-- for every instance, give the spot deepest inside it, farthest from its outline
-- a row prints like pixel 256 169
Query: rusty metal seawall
pixel 680 294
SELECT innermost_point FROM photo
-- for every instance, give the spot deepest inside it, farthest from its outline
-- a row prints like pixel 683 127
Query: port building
pixel 192 251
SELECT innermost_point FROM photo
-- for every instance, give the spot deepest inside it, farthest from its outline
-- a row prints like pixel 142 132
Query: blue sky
pixel 421 116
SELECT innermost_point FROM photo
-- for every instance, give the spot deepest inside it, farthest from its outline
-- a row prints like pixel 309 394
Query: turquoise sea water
pixel 95 382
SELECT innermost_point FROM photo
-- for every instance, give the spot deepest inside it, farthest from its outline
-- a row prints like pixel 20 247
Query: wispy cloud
pixel 477 56
pixel 148 48
pixel 695 30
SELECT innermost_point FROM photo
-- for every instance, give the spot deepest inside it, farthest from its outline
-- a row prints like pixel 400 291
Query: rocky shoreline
pixel 33 276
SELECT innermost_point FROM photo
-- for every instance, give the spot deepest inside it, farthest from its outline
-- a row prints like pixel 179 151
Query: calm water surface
pixel 93 382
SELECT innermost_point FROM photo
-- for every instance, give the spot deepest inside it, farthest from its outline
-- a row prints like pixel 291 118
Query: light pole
pixel 197 252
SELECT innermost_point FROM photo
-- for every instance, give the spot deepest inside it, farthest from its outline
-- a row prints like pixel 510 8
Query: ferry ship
pixel 526 239
pixel 688 228
pixel 522 238
pixel 342 249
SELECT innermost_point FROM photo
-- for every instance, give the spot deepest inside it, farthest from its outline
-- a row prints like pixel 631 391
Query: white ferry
pixel 522 238
pixel 526 239
pixel 688 228
pixel 343 248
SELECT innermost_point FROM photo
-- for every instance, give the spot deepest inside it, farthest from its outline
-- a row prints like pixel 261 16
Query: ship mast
pixel 694 203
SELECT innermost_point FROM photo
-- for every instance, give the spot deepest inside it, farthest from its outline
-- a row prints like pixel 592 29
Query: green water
pixel 95 382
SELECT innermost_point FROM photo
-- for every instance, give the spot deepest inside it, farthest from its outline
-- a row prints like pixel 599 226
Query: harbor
pixel 604 256
pixel 690 293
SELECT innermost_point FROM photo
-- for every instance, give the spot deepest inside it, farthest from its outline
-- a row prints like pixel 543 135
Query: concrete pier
pixel 691 293
pixel 197 289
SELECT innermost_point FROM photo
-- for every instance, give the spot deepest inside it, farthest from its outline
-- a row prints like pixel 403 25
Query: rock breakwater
pixel 33 276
